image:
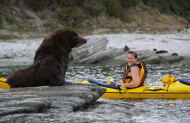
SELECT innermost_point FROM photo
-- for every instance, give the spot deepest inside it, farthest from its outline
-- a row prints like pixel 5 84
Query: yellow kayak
pixel 168 89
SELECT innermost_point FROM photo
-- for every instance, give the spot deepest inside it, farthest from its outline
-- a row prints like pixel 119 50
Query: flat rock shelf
pixel 38 103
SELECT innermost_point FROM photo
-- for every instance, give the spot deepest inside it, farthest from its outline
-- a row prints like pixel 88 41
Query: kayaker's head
pixel 131 57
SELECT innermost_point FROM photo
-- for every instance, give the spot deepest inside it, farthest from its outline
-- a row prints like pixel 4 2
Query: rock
pixel 30 105
pixel 174 54
pixel 172 59
pixel 120 59
pixel 126 48
pixel 64 99
pixel 93 46
pixel 160 51
pixel 144 54
pixel 102 56
pixel 100 49
pixel 185 60
pixel 95 51
pixel 155 59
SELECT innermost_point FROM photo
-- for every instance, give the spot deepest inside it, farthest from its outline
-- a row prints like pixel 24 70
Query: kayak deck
pixel 143 92
pixel 175 90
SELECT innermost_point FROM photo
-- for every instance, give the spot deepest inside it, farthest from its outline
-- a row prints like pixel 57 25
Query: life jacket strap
pixel 141 66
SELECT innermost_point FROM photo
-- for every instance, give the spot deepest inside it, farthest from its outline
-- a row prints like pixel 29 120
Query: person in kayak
pixel 135 72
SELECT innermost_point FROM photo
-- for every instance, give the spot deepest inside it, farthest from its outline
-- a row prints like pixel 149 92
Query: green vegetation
pixel 37 5
pixel 112 8
pixel 95 8
pixel 72 13
pixel 1 20
pixel 73 9
pixel 177 7
pixel 10 19
pixel 70 16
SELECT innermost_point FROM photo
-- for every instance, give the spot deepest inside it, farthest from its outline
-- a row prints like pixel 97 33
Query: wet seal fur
pixel 50 61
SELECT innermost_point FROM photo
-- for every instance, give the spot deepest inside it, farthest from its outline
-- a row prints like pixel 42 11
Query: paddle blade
pixel 109 81
pixel 82 82
pixel 123 88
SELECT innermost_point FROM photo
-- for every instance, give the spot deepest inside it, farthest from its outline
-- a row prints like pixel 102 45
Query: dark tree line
pixel 73 11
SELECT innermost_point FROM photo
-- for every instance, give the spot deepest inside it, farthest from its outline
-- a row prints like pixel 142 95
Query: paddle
pixel 109 81
pixel 123 88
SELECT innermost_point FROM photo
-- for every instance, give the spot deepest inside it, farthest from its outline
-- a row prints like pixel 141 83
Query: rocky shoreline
pixel 19 104
pixel 106 49
pixel 101 50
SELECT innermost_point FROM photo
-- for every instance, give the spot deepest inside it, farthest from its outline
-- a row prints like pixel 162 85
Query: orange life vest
pixel 142 75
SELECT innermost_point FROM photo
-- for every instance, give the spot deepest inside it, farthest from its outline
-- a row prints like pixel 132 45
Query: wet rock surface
pixel 25 104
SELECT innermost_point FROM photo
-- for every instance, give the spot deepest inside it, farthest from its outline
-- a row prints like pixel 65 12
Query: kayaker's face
pixel 131 59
